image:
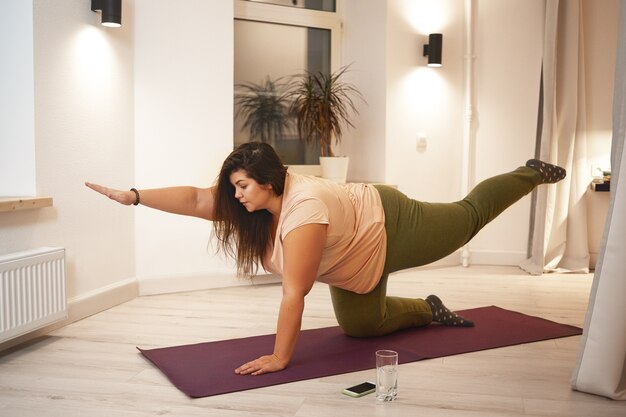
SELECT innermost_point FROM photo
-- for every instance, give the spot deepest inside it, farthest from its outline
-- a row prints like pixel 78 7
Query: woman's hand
pixel 123 197
pixel 262 365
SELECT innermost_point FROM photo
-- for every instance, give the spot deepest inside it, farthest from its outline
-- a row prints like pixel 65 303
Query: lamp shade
pixel 111 11
pixel 434 49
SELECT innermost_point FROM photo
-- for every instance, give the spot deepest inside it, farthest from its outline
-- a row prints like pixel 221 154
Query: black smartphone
pixel 360 390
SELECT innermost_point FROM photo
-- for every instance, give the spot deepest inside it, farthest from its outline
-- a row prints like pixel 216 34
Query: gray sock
pixel 441 314
pixel 550 174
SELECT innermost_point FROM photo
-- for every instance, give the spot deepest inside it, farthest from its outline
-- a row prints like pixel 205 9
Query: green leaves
pixel 264 109
pixel 323 105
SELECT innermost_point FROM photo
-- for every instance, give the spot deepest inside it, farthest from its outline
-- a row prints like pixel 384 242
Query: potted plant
pixel 323 105
pixel 264 109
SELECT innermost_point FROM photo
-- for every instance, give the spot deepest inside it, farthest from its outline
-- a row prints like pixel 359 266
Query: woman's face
pixel 251 194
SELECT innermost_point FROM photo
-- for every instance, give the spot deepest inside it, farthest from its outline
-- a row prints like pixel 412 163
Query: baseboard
pixel 172 283
pixel 83 306
pixel 102 299
pixel 454 259
pixel 494 257
pixel 479 257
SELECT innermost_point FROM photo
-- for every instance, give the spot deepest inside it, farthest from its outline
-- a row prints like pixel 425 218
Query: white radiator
pixel 32 291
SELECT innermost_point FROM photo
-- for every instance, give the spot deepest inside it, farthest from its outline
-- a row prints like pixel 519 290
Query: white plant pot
pixel 335 168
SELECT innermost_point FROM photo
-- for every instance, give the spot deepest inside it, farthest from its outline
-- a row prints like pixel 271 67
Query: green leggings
pixel 419 233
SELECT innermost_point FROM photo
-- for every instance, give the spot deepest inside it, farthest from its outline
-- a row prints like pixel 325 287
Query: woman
pixel 351 236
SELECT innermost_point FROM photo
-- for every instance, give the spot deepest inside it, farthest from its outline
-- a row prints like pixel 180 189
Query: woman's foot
pixel 442 315
pixel 550 174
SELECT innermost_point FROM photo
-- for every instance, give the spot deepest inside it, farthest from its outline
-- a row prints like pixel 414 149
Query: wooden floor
pixel 91 368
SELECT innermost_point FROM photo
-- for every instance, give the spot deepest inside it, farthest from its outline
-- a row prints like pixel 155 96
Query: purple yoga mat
pixel 206 369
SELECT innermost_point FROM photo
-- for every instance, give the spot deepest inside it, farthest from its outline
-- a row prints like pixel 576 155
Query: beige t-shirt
pixel 354 252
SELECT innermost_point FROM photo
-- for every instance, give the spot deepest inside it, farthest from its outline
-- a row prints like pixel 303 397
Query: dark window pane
pixel 267 55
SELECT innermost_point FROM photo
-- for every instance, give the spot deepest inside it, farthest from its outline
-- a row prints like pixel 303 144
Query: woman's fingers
pixel 122 197
pixel 95 187
pixel 254 368
pixel 99 189
pixel 262 365
pixel 245 369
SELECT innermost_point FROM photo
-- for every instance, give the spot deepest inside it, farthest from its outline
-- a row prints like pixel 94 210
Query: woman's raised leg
pixel 419 233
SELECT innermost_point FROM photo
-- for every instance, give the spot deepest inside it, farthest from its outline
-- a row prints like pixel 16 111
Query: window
pixel 324 5
pixel 272 44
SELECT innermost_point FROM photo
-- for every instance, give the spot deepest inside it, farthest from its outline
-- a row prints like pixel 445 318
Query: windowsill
pixel 8 204
pixel 314 170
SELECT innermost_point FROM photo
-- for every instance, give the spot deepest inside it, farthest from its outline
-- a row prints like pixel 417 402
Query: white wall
pixel 17 118
pixel 364 46
pixel 424 100
pixel 183 130
pixel 509 40
pixel 83 84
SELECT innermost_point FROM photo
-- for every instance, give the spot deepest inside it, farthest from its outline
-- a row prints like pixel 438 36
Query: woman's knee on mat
pixel 360 315
pixel 360 328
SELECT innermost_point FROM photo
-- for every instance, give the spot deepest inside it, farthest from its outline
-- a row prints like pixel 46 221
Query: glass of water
pixel 386 375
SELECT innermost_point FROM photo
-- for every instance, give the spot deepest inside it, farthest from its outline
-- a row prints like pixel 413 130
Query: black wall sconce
pixel 433 49
pixel 111 12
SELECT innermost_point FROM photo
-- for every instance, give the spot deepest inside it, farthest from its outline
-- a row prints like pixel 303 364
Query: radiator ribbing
pixel 32 291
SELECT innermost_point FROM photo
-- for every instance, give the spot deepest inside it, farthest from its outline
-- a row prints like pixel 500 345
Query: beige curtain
pixel 601 365
pixel 558 237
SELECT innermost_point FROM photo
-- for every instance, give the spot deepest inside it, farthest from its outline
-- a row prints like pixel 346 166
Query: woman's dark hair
pixel 241 234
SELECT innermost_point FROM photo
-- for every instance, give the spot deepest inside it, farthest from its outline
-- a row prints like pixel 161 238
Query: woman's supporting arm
pixel 303 249
pixel 188 201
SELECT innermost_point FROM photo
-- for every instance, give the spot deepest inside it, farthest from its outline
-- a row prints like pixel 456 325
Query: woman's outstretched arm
pixel 188 201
